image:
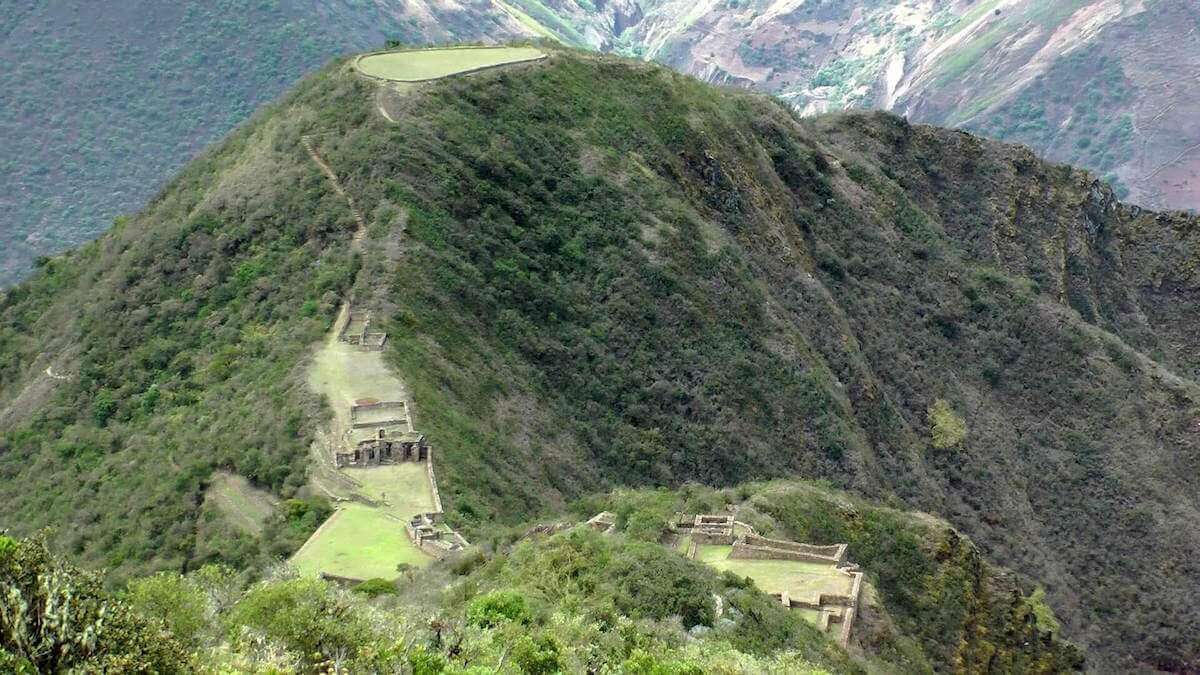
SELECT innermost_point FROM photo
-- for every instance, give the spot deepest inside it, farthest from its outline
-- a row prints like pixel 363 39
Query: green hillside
pixel 104 101
pixel 598 273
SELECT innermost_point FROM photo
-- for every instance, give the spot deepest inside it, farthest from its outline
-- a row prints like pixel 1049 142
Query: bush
pixel 537 656
pixel 373 588
pixel 304 615
pixel 173 600
pixel 946 427
pixel 56 618
pixel 496 608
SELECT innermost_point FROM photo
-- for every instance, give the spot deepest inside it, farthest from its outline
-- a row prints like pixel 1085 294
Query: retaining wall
pixel 433 486
pixel 341 581
pixel 396 408
pixel 834 553
pixel 743 551
pixel 710 538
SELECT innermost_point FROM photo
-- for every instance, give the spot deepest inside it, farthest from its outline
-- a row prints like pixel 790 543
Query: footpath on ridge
pixel 371 461
pixel 378 468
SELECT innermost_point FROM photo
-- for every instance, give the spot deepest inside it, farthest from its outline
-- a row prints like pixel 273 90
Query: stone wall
pixel 340 581
pixel 372 342
pixel 744 551
pixel 833 554
pixel 851 610
pixel 712 539
pixel 394 412
pixel 433 486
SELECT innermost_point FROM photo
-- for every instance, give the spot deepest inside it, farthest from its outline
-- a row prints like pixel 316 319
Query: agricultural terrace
pixel 364 541
pixel 800 580
pixel 430 64
pixel 360 542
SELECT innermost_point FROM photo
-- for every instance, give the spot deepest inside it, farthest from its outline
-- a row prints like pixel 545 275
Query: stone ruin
pixel 752 546
pixel 705 528
pixel 432 536
pixel 357 331
pixel 724 530
pixel 380 434
pixel 604 522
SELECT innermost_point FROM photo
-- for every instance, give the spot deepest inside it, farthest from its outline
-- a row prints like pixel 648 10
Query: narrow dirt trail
pixel 360 233
pixel 366 534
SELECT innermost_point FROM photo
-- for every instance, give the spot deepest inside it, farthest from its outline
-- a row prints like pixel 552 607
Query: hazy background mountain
pixel 104 100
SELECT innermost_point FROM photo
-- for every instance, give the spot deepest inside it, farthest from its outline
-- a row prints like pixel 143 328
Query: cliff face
pixel 599 272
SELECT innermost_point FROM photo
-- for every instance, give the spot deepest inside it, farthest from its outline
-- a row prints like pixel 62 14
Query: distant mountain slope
pixel 596 272
pixel 103 101
pixel 1106 84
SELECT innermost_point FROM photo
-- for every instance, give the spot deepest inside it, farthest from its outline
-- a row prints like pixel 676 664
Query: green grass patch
pixel 798 579
pixel 343 374
pixel 361 542
pixel 684 544
pixel 812 616
pixel 711 553
pixel 430 64
pixel 246 507
pixel 403 488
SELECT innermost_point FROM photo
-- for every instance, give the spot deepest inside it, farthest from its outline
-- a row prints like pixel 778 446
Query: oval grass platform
pixel 431 64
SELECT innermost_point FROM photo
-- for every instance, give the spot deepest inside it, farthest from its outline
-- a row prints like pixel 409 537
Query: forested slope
pixel 606 273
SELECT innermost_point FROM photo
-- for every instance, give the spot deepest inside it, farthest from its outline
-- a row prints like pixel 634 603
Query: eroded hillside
pixel 611 274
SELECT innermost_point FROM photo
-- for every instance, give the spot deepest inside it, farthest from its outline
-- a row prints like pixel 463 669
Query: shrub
pixel 373 588
pixel 496 608
pixel 537 656
pixel 946 427
pixel 303 615
pixel 56 618
pixel 173 600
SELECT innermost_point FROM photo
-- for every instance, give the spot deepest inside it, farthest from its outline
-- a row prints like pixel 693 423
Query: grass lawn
pixel 405 487
pixel 711 553
pixel 799 579
pixel 429 64
pixel 360 542
pixel 685 542
pixel 812 616
pixel 344 374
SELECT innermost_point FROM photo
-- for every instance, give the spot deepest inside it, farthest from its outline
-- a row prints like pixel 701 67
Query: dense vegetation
pixel 181 333
pixel 571 601
pixel 598 273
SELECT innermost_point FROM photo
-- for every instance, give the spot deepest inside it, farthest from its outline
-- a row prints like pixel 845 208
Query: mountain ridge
pixel 627 277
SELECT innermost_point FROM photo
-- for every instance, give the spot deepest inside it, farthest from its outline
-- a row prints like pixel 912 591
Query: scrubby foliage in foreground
pixel 501 615
pixel 56 618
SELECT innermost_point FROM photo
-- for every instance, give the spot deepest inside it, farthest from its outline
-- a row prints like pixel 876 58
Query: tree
pixel 946 427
